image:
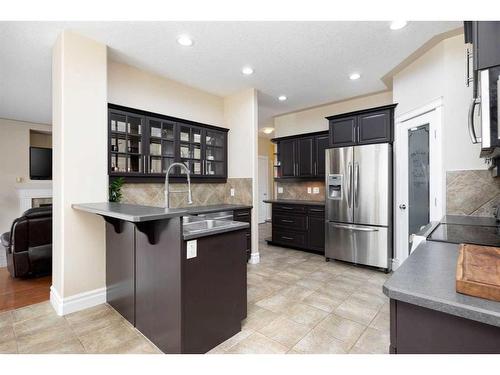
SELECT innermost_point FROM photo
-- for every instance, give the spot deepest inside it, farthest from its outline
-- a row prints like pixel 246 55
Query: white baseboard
pixel 254 258
pixel 77 302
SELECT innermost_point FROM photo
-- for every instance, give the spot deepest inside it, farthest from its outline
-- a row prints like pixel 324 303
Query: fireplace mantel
pixel 32 190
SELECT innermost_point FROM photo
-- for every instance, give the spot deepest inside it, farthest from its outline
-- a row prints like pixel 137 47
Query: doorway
pixel 263 188
pixel 418 175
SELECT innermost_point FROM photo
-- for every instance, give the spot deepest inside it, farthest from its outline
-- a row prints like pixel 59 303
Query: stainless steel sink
pixel 191 219
pixel 205 225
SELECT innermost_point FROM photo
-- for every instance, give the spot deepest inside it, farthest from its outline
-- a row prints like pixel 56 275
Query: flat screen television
pixel 40 163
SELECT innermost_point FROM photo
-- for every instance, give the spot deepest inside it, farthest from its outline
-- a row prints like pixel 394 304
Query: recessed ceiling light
pixel 267 130
pixel 282 98
pixel 185 40
pixel 355 76
pixel 396 25
pixel 247 70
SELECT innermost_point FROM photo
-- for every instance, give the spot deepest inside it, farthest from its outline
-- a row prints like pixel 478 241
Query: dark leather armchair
pixel 29 243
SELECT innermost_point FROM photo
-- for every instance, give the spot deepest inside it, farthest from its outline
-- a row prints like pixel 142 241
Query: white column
pixel 241 117
pixel 79 108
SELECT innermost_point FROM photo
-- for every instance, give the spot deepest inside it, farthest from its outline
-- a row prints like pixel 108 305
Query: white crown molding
pixel 430 106
pixel 77 302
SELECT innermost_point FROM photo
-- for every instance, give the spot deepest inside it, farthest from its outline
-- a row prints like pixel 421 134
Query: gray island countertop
pixel 137 213
pixel 427 279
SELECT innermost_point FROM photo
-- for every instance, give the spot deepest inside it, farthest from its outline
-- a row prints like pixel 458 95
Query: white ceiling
pixel 309 62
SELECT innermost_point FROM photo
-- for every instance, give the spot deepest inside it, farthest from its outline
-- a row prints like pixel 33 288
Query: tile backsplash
pixel 298 190
pixel 203 194
pixel 471 192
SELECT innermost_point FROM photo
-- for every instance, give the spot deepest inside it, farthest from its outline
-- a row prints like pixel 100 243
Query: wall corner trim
pixel 77 302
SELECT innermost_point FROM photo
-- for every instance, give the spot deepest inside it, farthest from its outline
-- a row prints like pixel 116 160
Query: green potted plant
pixel 115 193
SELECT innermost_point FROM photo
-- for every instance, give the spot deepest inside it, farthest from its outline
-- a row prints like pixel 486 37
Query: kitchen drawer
pixel 287 237
pixel 316 211
pixel 290 208
pixel 290 221
pixel 242 215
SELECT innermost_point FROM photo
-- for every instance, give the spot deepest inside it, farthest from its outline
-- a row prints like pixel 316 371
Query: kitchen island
pixel 179 279
pixel 429 316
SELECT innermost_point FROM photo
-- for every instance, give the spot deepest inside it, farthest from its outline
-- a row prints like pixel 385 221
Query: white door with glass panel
pixel 417 164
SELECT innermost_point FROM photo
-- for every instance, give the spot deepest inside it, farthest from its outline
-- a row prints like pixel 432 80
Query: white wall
pixel 79 114
pixel 312 120
pixel 14 163
pixel 135 88
pixel 440 72
pixel 241 117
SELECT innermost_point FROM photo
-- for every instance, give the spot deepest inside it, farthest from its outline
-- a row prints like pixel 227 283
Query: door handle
pixel 402 206
pixel 287 238
pixel 352 227
pixel 287 221
pixel 349 180
pixel 356 184
pixel 470 123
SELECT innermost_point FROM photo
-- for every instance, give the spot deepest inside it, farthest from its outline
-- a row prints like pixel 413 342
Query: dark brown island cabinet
pixel 183 302
pixel 298 225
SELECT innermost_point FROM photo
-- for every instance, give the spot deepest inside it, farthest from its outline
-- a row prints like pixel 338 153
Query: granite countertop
pixel 295 201
pixel 427 279
pixel 470 220
pixel 137 213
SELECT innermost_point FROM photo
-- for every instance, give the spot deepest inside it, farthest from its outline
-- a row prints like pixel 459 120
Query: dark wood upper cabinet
pixel 305 162
pixel 142 145
pixel 484 36
pixel 288 152
pixel 374 125
pixel 343 131
pixel 302 156
pixel 321 144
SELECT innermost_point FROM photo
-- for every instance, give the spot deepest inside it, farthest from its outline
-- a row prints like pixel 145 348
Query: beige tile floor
pixel 297 303
pixel 100 329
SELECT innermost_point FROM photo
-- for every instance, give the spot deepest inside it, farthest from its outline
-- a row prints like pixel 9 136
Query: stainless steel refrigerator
pixel 359 204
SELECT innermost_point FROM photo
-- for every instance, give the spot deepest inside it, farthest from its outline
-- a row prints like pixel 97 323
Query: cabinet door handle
pixel 287 221
pixel 316 210
pixel 285 208
pixel 287 238
pixel 468 56
pixel 470 123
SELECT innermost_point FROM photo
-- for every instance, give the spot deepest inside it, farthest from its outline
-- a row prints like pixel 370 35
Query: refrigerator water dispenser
pixel 335 186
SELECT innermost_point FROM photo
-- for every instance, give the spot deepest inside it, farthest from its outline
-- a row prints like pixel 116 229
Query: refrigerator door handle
pixel 356 183
pixel 354 227
pixel 349 182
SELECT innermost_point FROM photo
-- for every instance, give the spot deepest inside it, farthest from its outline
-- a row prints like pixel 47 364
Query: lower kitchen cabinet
pixel 245 215
pixel 317 233
pixel 299 226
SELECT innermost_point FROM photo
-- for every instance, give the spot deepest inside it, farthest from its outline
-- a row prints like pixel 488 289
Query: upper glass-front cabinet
pixel 126 153
pixel 215 153
pixel 145 146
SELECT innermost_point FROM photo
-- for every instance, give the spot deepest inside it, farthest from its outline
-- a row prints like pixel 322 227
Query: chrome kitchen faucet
pixel 167 185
